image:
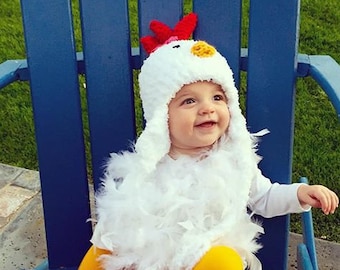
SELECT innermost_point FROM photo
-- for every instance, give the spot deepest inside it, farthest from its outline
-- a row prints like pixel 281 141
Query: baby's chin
pixel 193 151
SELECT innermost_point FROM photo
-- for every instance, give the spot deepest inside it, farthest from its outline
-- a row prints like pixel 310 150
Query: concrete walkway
pixel 22 236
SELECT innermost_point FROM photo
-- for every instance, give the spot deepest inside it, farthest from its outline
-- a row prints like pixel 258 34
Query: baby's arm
pixel 318 196
pixel 269 200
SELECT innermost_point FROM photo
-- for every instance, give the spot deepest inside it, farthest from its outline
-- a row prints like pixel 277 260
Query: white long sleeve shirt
pixel 273 199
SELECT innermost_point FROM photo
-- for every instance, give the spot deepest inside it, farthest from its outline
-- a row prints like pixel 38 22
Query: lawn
pixel 317 133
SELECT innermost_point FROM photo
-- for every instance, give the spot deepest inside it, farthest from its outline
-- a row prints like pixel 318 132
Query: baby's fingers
pixel 329 201
pixel 318 196
pixel 334 202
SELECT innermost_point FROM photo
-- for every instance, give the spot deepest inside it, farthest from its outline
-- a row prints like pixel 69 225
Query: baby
pixel 181 198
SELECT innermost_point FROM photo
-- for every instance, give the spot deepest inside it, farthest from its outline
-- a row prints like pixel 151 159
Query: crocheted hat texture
pixel 174 62
pixel 164 34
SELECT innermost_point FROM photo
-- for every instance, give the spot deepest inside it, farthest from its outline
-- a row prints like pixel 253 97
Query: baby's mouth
pixel 206 124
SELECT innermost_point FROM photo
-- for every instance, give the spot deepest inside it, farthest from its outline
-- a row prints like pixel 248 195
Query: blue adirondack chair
pixel 108 61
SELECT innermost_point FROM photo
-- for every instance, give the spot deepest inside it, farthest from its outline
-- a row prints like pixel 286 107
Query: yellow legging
pixel 217 258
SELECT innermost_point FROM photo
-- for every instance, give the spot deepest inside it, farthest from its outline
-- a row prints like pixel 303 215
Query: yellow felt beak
pixel 203 49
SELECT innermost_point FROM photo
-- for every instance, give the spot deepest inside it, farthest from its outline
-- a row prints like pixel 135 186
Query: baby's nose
pixel 207 108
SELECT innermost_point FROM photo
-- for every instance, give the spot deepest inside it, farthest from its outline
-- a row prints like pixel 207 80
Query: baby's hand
pixel 318 196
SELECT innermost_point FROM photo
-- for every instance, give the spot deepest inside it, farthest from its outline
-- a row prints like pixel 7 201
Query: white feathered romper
pixel 172 217
pixel 156 213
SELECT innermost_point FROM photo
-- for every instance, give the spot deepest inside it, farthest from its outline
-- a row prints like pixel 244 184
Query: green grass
pixel 317 133
pixel 16 125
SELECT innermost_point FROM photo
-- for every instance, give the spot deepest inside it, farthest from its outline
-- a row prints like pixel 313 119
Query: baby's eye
pixel 188 101
pixel 219 97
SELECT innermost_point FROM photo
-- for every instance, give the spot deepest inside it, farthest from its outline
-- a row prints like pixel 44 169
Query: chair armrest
pixel 306 251
pixel 13 70
pixel 303 258
pixel 17 70
pixel 42 266
pixel 326 72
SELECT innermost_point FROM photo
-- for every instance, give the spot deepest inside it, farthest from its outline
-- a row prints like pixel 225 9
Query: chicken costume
pixel 157 213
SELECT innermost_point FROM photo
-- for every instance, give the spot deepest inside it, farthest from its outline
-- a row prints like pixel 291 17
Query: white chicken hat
pixel 174 62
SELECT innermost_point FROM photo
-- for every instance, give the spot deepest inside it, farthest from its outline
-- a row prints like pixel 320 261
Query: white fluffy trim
pixel 169 219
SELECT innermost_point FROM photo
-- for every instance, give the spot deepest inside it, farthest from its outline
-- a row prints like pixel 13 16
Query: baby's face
pixel 198 116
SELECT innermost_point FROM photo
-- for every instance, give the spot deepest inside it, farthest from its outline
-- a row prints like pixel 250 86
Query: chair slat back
pixel 58 128
pixel 272 63
pixel 107 56
pixel 220 25
pixel 51 53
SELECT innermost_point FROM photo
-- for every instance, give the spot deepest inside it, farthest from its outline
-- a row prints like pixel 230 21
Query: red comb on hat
pixel 164 34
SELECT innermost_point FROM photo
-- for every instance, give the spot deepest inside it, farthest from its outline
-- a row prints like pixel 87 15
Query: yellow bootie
pixel 220 258
pixel 217 258
pixel 90 260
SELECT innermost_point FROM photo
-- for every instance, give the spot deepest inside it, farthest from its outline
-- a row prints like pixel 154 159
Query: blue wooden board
pixel 106 44
pixel 272 64
pixel 58 128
